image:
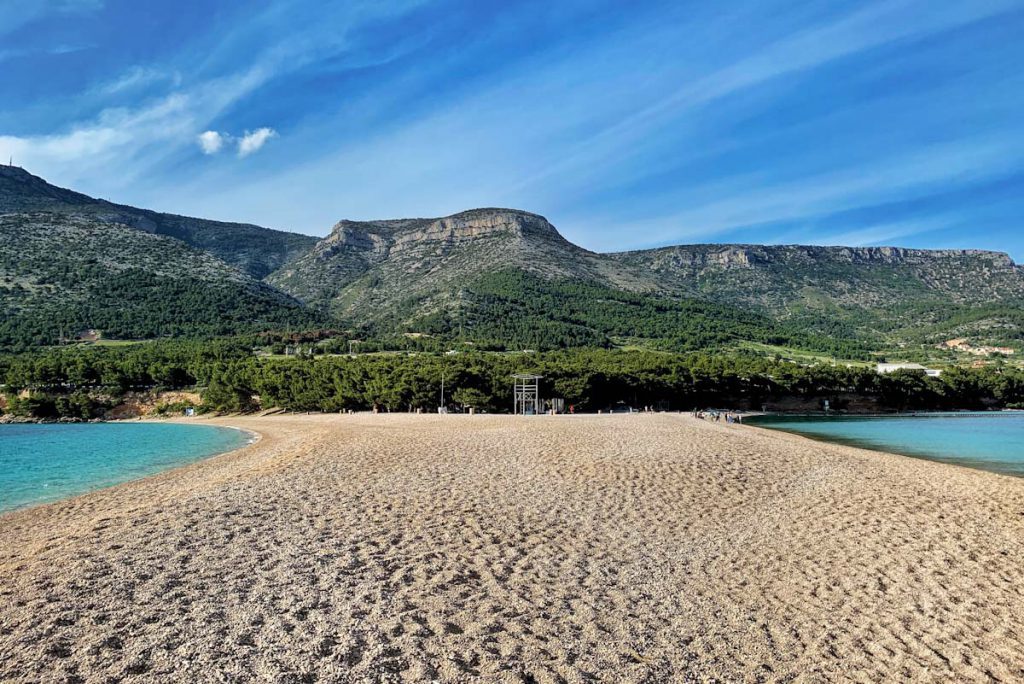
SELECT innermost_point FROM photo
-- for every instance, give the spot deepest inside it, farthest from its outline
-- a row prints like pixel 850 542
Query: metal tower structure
pixel 526 394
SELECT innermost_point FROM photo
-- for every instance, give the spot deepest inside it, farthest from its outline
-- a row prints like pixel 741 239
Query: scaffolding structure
pixel 526 394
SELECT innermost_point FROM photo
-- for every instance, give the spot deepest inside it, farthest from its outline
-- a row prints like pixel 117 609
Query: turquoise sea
pixel 990 441
pixel 40 463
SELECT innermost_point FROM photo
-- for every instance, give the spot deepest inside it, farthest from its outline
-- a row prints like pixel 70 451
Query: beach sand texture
pixel 644 548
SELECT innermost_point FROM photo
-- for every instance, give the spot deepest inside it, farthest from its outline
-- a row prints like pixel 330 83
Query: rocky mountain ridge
pixel 368 266
pixel 397 275
pixel 780 277
pixel 255 250
pixel 749 255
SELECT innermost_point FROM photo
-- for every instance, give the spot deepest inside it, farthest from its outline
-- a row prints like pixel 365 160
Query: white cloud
pixel 211 142
pixel 130 139
pixel 136 138
pixel 252 141
pixel 96 143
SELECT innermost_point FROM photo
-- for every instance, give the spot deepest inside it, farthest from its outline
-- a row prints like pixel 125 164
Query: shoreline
pixel 410 548
pixel 9 419
pixel 256 436
pixel 947 459
pixel 252 438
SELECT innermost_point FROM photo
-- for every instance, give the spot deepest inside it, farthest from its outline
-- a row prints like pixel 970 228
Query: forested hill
pixel 61 275
pixel 498 278
pixel 481 271
pixel 894 293
pixel 253 249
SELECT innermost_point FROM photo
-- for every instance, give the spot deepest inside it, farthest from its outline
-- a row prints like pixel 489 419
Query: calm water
pixel 40 463
pixel 990 441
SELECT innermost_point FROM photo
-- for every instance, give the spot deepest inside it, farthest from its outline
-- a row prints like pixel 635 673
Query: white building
pixel 884 368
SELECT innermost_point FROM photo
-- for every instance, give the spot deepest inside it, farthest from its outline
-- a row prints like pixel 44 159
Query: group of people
pixel 718 416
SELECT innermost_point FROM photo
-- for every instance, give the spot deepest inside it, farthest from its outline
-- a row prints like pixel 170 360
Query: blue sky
pixel 628 125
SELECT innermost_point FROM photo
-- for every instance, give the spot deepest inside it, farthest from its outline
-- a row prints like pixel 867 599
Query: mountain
pixel 255 250
pixel 499 278
pixel 900 294
pixel 774 276
pixel 364 268
pixel 62 274
pixel 473 270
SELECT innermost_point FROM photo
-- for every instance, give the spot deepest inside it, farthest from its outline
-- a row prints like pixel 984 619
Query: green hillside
pixel 254 250
pixel 494 278
pixel 887 295
pixel 61 275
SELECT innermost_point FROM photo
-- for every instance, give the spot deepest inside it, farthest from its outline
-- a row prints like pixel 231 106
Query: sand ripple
pixel 571 549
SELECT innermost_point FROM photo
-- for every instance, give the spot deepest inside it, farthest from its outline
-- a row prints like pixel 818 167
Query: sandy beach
pixel 644 548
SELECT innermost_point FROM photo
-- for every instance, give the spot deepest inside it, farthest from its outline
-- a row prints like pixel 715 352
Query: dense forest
pixel 65 275
pixel 83 382
pixel 510 310
pixel 135 304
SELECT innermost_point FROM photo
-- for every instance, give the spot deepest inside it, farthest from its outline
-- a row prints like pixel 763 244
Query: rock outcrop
pixel 371 261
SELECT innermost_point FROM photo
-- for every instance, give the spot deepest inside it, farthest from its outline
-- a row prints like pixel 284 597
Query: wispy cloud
pixel 133 139
pixel 873 26
pixel 746 202
pixel 17 13
pixel 61 49
pixel 628 126
pixel 130 139
pixel 885 233
pixel 137 77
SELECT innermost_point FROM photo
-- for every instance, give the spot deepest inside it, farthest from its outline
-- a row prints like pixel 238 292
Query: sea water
pixel 40 463
pixel 990 441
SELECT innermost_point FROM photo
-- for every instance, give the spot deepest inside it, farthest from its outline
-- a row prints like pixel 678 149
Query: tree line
pixel 82 382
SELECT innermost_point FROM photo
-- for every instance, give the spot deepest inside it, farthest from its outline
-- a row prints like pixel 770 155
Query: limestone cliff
pixel 368 263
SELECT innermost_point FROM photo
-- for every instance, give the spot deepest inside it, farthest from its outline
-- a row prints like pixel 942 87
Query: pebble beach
pixel 619 548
